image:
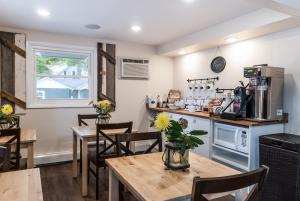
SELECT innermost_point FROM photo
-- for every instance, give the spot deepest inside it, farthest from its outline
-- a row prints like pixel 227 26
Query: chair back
pixel 101 128
pixel 134 137
pixel 254 178
pixel 12 137
pixel 4 158
pixel 83 117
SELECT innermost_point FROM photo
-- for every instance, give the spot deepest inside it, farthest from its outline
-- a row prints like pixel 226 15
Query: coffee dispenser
pixel 266 85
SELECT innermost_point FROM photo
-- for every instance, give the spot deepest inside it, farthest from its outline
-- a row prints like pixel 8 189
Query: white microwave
pixel 231 137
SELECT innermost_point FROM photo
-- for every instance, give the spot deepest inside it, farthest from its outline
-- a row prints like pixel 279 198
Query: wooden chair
pixel 13 138
pixel 82 122
pixel 231 183
pixel 98 155
pixel 4 158
pixel 134 137
pixel 124 150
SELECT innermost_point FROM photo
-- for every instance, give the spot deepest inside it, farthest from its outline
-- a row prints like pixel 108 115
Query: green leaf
pixel 198 132
pixel 196 140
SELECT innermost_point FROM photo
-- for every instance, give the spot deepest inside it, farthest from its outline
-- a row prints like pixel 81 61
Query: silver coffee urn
pixel 266 89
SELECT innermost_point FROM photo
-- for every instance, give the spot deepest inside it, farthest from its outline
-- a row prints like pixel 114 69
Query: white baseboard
pixel 54 157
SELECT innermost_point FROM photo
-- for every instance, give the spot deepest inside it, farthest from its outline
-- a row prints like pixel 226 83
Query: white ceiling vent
pixel 134 68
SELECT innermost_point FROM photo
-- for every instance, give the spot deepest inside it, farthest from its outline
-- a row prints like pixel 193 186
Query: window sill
pixel 57 106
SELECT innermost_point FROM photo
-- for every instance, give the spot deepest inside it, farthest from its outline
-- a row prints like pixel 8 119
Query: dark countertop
pixel 206 115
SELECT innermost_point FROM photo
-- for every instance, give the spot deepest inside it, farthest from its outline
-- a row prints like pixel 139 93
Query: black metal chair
pixel 82 122
pixel 256 178
pixel 98 154
pixel 12 144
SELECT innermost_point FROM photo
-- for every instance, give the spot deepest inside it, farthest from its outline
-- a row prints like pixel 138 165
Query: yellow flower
pixel 162 121
pixel 104 103
pixel 7 109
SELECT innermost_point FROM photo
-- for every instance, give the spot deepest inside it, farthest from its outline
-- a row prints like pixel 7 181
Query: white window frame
pixel 32 100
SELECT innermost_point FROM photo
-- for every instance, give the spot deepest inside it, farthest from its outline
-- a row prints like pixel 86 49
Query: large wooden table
pixel 28 138
pixel 147 179
pixel 87 134
pixel 22 185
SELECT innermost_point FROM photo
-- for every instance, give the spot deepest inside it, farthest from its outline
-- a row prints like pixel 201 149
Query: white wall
pixel 54 135
pixel 279 50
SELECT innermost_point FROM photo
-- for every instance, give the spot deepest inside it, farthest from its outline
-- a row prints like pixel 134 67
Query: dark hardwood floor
pixel 58 184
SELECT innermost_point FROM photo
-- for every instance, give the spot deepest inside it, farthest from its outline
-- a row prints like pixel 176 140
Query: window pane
pixel 61 75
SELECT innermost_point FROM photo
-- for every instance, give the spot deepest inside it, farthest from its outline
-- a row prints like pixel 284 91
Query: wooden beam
pixel 13 47
pixel 13 99
pixel 111 73
pixel 99 70
pixel 108 57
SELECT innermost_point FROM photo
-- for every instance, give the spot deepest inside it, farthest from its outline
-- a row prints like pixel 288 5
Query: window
pixel 62 76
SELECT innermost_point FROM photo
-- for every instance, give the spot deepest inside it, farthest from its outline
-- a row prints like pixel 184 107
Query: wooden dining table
pixel 22 185
pixel 146 177
pixel 88 134
pixel 27 141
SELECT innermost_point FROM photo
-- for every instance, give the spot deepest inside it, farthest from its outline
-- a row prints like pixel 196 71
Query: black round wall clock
pixel 218 64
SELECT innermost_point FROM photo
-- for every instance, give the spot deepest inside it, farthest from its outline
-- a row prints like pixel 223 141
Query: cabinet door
pixel 201 124
pixel 203 150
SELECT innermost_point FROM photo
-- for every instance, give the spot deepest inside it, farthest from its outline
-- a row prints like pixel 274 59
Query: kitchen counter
pixel 206 115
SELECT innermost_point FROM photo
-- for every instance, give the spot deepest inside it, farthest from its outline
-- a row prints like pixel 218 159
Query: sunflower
pixel 104 103
pixel 7 109
pixel 162 121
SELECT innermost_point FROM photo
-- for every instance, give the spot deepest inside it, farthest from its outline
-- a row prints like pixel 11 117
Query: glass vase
pixel 103 119
pixel 174 158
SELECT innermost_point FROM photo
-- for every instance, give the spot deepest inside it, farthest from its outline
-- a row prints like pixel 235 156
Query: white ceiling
pixel 161 20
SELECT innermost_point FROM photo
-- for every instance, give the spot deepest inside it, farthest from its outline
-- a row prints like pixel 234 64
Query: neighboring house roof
pixel 73 83
pixel 63 83
pixel 49 83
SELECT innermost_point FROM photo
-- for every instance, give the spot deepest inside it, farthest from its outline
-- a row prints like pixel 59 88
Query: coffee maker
pixel 266 86
pixel 239 103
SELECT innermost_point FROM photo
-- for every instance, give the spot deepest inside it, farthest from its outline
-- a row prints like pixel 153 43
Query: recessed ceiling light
pixel 182 52
pixel 231 39
pixel 188 1
pixel 92 26
pixel 43 12
pixel 136 28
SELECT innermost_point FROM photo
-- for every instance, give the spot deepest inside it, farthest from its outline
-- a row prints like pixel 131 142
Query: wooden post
pixel 99 70
pixel 111 72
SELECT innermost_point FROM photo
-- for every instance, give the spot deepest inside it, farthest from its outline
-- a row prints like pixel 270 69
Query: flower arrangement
pixel 174 131
pixel 179 141
pixel 103 107
pixel 6 115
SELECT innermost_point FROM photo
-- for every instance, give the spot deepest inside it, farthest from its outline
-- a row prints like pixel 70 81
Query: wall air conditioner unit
pixel 134 68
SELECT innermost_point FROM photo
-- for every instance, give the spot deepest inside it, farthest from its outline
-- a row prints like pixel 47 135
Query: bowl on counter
pixel 173 106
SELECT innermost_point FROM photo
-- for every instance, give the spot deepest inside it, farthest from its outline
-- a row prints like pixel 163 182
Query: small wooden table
pixel 147 179
pixel 87 134
pixel 28 138
pixel 20 185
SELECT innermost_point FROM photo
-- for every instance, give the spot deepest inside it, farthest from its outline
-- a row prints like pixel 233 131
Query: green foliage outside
pixel 45 63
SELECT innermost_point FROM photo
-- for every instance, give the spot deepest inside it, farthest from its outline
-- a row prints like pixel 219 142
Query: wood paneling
pixel 99 70
pixel 111 72
pixel 110 56
pixel 7 65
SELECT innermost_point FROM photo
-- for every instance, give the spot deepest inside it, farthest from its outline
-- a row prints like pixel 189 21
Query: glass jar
pixel 103 119
pixel 174 158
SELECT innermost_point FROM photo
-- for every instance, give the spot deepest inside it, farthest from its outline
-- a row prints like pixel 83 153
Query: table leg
pixel 75 173
pixel 84 168
pixel 113 186
pixel 30 155
pixel 132 146
pixel 241 194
